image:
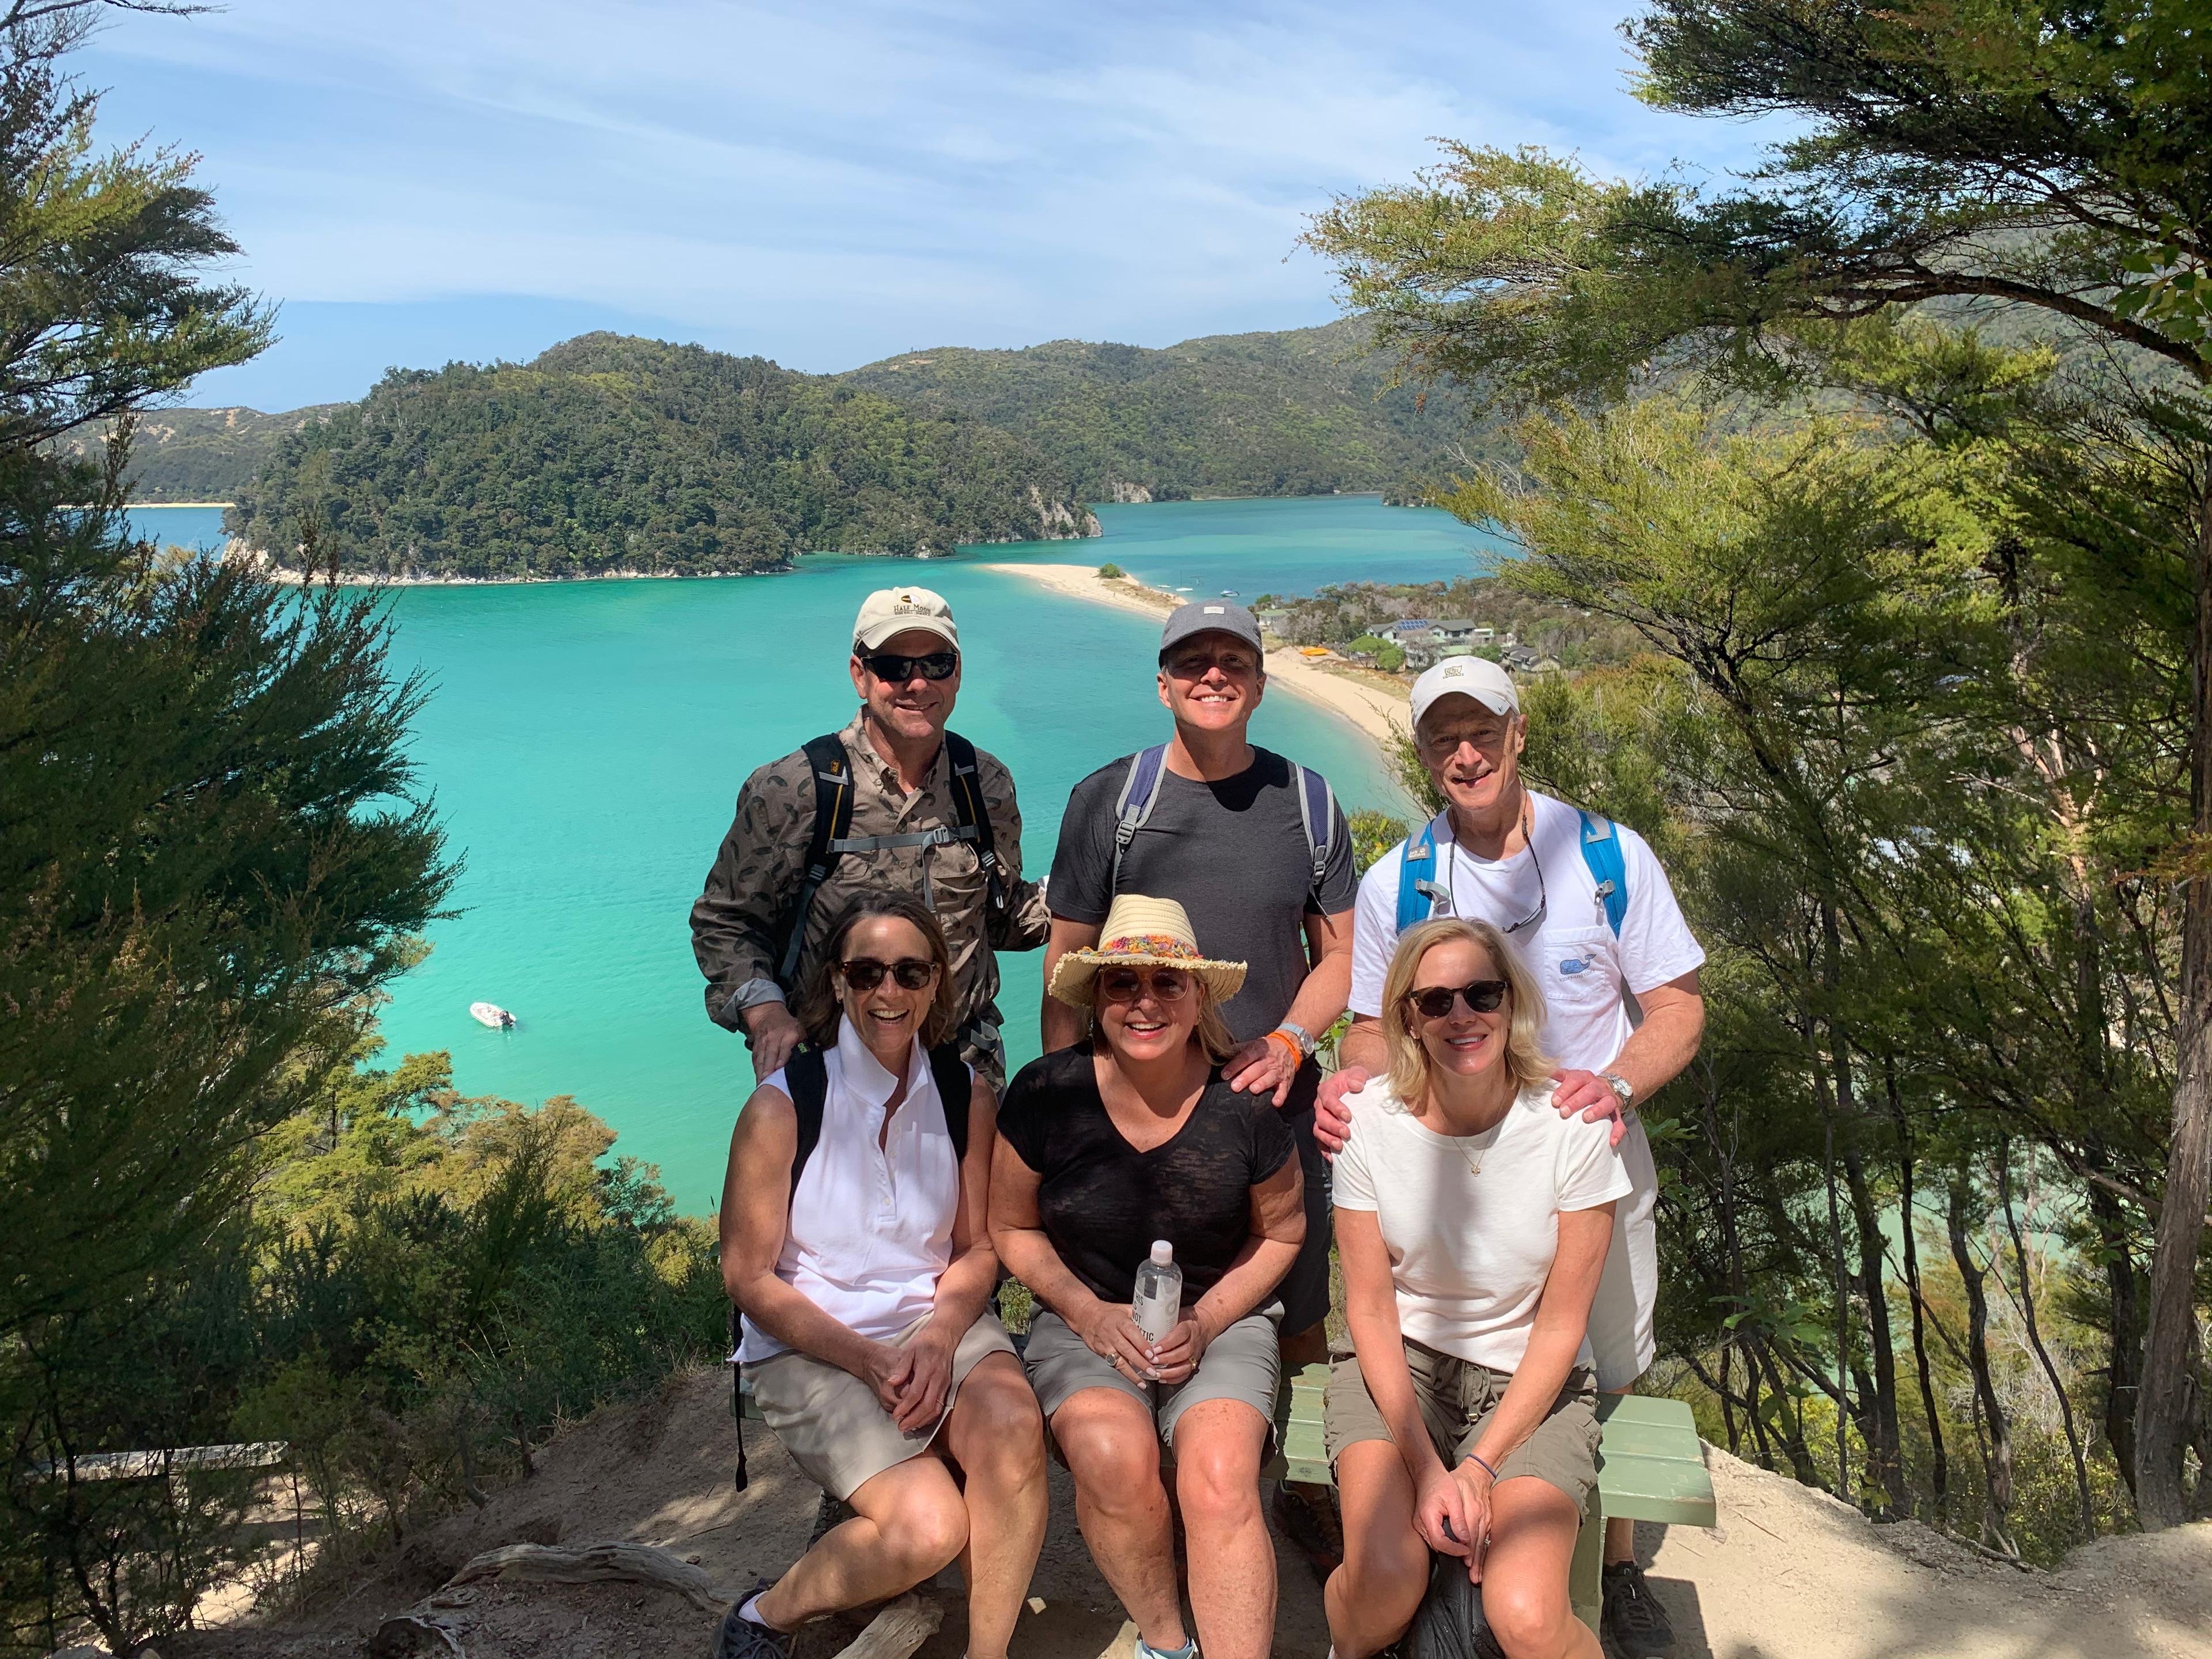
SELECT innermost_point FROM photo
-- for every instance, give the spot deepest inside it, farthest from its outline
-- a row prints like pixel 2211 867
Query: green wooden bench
pixel 1651 1466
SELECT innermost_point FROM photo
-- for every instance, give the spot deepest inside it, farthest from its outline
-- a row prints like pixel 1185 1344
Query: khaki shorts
pixel 831 1423
pixel 1244 1363
pixel 1457 1398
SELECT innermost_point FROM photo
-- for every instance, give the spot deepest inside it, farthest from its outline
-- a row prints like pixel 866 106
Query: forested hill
pixel 608 453
pixel 203 454
pixel 1300 412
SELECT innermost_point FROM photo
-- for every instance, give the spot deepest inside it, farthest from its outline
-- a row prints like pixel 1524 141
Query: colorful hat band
pixel 1150 945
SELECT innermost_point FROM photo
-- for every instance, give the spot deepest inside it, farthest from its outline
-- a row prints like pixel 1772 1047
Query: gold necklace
pixel 1475 1163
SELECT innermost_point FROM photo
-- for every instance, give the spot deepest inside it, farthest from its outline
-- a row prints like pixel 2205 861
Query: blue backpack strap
pixel 1419 895
pixel 1601 852
pixel 1140 792
pixel 1317 811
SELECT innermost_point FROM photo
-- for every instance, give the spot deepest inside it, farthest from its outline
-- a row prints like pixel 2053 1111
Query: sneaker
pixel 1188 1650
pixel 740 1638
pixel 1633 1619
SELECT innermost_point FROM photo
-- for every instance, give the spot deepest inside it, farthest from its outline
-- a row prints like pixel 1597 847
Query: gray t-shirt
pixel 1233 853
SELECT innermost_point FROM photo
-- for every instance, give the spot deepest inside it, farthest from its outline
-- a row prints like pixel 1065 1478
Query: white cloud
pixel 836 182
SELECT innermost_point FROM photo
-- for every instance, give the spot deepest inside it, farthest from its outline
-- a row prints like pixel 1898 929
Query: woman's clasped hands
pixel 911 1382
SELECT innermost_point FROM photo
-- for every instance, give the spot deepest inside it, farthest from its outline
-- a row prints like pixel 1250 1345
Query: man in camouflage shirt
pixel 906 667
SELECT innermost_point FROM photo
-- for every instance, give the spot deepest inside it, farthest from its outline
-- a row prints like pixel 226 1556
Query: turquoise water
pixel 198 528
pixel 584 743
pixel 1292 545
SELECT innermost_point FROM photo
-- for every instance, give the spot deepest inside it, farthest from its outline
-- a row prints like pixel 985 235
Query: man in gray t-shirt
pixel 1226 839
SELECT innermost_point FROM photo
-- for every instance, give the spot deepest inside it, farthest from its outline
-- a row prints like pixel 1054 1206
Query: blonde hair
pixel 1211 1030
pixel 1525 1061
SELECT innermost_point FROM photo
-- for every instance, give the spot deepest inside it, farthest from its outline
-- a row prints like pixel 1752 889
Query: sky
pixel 417 181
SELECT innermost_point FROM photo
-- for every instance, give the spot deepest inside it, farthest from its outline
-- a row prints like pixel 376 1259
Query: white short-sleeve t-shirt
pixel 1581 964
pixel 1470 1249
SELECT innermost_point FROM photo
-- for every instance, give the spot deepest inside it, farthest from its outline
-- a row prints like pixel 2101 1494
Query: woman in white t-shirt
pixel 1472 1221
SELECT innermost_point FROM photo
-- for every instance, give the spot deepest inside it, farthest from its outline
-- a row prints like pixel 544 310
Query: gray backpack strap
pixel 1317 811
pixel 1140 792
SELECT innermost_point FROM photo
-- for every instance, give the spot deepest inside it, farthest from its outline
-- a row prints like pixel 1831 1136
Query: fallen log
pixel 602 1563
pixel 898 1629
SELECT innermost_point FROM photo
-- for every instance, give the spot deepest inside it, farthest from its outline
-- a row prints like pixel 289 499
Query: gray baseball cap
pixel 1210 616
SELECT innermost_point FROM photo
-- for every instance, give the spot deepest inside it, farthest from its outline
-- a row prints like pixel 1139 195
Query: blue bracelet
pixel 1474 1457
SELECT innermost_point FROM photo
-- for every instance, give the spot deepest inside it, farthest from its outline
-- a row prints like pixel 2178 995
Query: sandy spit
pixel 1379 712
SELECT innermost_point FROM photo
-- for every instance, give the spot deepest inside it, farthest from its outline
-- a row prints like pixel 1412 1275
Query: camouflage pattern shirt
pixel 737 924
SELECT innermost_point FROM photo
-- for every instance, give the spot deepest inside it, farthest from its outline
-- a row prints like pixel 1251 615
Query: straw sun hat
pixel 1144 932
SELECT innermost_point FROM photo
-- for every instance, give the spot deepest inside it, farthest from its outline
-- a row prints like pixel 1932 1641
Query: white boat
pixel 1228 593
pixel 491 1014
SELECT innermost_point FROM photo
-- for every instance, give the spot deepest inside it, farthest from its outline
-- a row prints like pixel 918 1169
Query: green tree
pixel 2046 158
pixel 210 846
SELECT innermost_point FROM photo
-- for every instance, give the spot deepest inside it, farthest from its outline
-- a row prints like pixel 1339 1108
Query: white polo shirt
pixel 871 1229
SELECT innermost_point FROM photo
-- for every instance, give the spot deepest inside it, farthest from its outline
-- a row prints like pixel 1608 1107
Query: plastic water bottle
pixel 1158 1302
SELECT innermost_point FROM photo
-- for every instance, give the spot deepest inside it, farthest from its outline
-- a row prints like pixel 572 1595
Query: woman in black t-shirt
pixel 1130 1138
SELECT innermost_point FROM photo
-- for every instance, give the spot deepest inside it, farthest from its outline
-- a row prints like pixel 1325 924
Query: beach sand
pixel 1380 712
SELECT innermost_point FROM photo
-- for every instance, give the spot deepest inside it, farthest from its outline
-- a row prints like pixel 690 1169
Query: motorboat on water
pixel 491 1014
pixel 1228 593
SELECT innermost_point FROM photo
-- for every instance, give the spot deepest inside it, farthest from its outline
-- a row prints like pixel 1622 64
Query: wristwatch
pixel 1299 1035
pixel 1623 1090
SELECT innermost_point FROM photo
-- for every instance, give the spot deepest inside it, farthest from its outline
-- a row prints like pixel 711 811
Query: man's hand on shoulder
pixel 1265 1065
pixel 1332 1117
pixel 1589 1094
pixel 775 1033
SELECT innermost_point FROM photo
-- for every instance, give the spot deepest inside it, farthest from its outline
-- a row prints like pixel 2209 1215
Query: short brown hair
pixel 1525 1062
pixel 819 1008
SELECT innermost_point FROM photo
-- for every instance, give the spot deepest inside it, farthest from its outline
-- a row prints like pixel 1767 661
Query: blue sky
pixel 420 180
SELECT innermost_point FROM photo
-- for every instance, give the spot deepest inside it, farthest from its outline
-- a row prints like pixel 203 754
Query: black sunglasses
pixel 937 666
pixel 1482 996
pixel 866 973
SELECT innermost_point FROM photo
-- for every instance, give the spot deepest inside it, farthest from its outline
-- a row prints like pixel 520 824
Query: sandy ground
pixel 1377 710
pixel 1787 1574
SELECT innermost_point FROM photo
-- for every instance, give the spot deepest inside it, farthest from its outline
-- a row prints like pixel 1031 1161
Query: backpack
pixel 1140 792
pixel 807 1078
pixel 833 836
pixel 1419 894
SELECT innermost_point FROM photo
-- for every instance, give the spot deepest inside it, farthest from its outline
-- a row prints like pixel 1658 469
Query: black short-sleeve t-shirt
pixel 1103 1202
pixel 1233 853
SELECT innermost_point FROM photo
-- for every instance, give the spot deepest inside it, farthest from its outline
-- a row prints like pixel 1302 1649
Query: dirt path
pixel 1788 1574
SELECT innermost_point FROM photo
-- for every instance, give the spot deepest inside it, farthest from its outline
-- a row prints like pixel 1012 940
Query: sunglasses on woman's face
pixel 937 666
pixel 1127 984
pixel 866 973
pixel 1482 996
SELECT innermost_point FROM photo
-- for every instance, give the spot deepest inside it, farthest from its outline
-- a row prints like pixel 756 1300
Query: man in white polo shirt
pixel 1589 909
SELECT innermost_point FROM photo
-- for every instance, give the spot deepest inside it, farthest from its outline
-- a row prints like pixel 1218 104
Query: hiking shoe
pixel 740 1638
pixel 1312 1526
pixel 1633 1621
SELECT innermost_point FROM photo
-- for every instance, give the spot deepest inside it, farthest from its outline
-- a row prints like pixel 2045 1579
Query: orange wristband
pixel 1290 1044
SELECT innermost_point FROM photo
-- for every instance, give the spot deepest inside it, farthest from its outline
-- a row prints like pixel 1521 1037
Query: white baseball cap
pixel 1466 676
pixel 889 611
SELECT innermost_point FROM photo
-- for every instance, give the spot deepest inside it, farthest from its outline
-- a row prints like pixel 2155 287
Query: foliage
pixel 1111 571
pixel 199 454
pixel 1300 413
pixel 1373 834
pixel 1939 609
pixel 421 1285
pixel 608 455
